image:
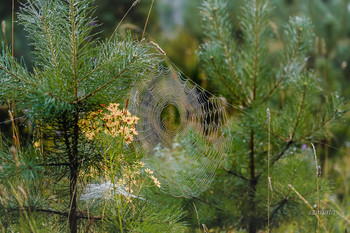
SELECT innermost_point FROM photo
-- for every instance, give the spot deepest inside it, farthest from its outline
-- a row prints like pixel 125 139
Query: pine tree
pixel 274 95
pixel 74 72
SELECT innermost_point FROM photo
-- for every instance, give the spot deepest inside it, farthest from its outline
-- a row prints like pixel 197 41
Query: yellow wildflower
pixel 112 106
pixel 147 170
pixel 155 180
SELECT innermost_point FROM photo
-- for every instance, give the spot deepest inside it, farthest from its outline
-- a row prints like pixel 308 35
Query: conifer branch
pixel 228 86
pixel 279 206
pixel 54 164
pixel 308 204
pixel 320 126
pixel 299 113
pixel 74 48
pixel 286 71
pixel 91 72
pixel 291 139
pixel 234 173
pixel 256 49
pixel 16 76
pixel 65 214
pixel 105 84
pixel 49 37
pixel 228 57
pixel 284 150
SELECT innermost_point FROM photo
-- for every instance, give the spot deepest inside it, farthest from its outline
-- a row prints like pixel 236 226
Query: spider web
pixel 180 131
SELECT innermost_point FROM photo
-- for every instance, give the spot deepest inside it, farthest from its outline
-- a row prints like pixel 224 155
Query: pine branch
pixel 228 86
pixel 291 138
pixel 286 71
pixel 320 126
pixel 256 50
pixel 65 214
pixel 52 50
pixel 74 49
pixel 278 208
pixel 234 173
pixel 299 114
pixel 54 164
pixel 105 84
pixel 16 76
pixel 228 57
pixel 284 150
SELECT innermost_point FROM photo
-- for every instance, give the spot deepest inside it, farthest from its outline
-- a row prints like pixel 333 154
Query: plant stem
pixel 268 169
pixel 317 184
pixel 148 15
pixel 308 204
pixel 13 29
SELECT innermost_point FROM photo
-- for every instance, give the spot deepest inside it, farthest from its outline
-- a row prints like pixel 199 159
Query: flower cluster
pixel 117 123
pixel 155 180
pixel 130 179
pixel 111 121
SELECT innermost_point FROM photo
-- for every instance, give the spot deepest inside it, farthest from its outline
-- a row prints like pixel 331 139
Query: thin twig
pixel 54 164
pixel 65 214
pixel 234 173
pixel 308 204
pixel 269 185
pixel 13 28
pixel 149 13
pixel 195 208
pixel 318 173
pixel 116 28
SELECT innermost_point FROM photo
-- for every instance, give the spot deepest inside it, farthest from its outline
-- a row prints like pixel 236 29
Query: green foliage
pixel 254 77
pixel 144 216
pixel 72 69
pixel 74 72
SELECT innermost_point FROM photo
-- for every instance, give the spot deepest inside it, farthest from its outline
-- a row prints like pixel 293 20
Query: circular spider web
pixel 180 131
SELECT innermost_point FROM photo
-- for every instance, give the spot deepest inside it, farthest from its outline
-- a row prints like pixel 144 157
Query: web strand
pixel 181 131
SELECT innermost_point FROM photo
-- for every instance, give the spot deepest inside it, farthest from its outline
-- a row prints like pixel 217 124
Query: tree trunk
pixel 73 200
pixel 74 172
pixel 252 186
